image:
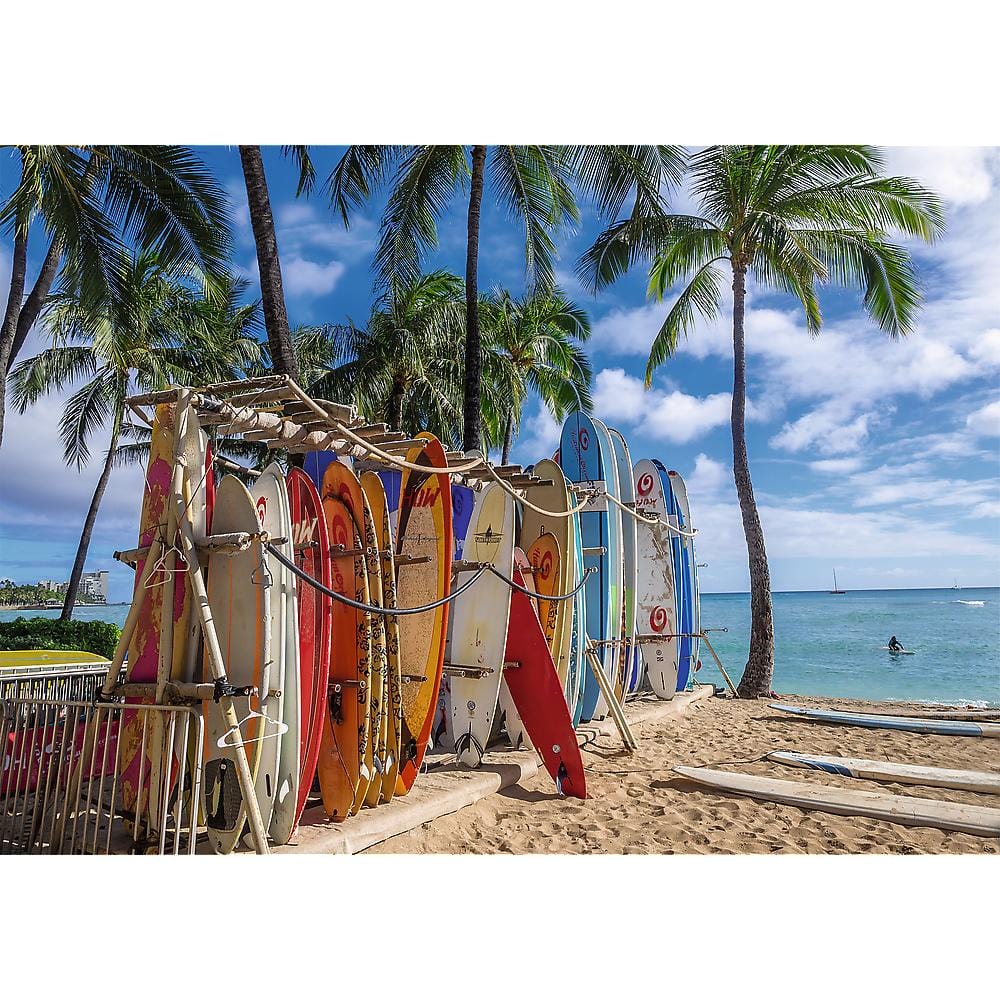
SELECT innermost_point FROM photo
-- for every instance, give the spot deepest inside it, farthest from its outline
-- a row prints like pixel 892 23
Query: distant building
pixel 54 585
pixel 95 586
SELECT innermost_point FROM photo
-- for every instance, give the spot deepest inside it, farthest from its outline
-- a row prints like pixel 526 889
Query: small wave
pixel 972 604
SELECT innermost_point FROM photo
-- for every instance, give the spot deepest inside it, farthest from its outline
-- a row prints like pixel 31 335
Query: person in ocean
pixel 895 645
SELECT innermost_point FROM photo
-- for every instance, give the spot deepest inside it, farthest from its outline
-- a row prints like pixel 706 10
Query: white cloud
pixel 985 422
pixel 305 278
pixel 708 477
pixel 830 429
pixel 539 437
pixel 959 174
pixel 836 466
pixel 669 415
pixel 986 350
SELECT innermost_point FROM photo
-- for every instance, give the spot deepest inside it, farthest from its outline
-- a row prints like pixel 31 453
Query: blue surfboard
pixel 626 488
pixel 581 458
pixel 935 726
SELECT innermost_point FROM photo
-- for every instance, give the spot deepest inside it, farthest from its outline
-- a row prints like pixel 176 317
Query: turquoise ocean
pixel 829 644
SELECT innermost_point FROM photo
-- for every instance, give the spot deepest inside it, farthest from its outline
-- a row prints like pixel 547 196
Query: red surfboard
pixel 312 554
pixel 538 695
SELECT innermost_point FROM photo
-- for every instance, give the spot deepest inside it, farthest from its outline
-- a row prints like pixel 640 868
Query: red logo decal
pixel 658 619
pixel 584 439
pixel 261 509
pixel 645 485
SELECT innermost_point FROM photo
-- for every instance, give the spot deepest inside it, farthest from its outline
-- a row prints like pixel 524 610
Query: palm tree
pixel 792 217
pixel 533 183
pixel 536 336
pixel 279 337
pixel 160 339
pixel 403 368
pixel 90 201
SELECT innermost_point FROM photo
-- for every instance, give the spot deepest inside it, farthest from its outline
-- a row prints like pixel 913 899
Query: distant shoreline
pixel 58 607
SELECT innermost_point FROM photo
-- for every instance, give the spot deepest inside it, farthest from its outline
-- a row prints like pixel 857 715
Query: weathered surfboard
pixel 345 723
pixel 477 626
pixel 311 544
pixel 980 821
pixel 939 728
pixel 898 773
pixel 424 532
pixel 240 603
pixel 656 606
pixel 584 462
pixel 374 490
pixel 691 568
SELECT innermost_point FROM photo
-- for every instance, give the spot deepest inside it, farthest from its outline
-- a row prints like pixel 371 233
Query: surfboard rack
pixel 407 559
pixel 412 678
pixel 614 705
pixel 458 670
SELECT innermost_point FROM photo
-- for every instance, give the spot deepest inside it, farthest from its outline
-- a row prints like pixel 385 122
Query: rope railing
pixel 544 597
pixel 642 519
pixel 360 605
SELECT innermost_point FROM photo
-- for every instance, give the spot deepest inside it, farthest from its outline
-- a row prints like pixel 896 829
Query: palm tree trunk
pixel 759 670
pixel 271 289
pixel 8 331
pixel 36 299
pixel 88 529
pixel 508 438
pixel 395 412
pixel 472 434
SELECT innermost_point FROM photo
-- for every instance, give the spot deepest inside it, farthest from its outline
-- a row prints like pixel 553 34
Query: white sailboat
pixel 836 589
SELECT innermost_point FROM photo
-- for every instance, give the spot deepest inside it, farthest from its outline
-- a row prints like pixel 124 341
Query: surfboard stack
pixel 378 612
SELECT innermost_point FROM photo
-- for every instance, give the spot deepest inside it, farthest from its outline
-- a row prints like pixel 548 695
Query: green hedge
pixel 100 638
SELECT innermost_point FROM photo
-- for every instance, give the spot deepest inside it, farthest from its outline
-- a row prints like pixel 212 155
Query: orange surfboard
pixel 423 575
pixel 340 481
pixel 345 727
pixel 543 554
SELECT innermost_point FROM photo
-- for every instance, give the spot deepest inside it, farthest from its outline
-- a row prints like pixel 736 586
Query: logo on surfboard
pixel 645 485
pixel 658 619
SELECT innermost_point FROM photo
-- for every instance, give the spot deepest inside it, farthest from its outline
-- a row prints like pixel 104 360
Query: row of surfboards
pixel 372 630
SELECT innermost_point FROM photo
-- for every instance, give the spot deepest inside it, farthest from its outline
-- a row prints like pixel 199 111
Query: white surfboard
pixel 656 600
pixel 887 770
pixel 980 821
pixel 289 765
pixel 240 603
pixel 900 722
pixel 477 627
pixel 267 494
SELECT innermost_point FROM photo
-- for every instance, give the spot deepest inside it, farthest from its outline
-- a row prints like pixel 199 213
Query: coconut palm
pixel 89 203
pixel 792 218
pixel 537 336
pixel 534 184
pixel 404 366
pixel 279 337
pixel 160 339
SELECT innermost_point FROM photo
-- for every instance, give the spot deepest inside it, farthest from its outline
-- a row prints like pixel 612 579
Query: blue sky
pixel 879 458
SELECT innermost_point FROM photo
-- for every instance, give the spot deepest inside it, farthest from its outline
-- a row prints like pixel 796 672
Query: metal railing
pixel 86 777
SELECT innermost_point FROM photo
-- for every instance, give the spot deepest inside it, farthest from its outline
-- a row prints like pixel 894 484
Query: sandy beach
pixel 638 806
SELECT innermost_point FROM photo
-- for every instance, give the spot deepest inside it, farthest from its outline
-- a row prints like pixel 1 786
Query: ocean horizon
pixel 832 644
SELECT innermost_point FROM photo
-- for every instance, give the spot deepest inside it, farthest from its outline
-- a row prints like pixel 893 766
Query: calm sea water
pixel 829 645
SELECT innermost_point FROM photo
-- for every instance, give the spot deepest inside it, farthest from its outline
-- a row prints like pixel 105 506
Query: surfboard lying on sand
pixel 900 722
pixel 980 821
pixel 887 770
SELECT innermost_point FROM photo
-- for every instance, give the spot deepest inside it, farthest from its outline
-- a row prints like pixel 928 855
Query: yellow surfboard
pixel 392 698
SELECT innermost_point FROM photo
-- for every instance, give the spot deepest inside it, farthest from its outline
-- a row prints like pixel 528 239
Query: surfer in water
pixel 895 645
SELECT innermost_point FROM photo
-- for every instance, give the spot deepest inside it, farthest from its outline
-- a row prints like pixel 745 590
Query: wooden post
pixel 718 663
pixel 218 668
pixel 609 696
